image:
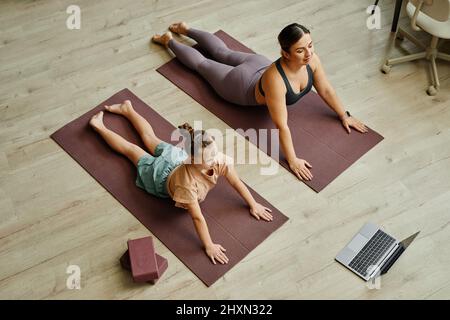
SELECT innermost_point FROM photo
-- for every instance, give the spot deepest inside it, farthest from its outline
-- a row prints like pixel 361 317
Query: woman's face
pixel 303 50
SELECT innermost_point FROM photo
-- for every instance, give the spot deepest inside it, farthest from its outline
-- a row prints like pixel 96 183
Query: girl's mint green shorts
pixel 152 171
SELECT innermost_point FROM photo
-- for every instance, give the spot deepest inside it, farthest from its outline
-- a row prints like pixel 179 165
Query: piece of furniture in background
pixel 398 7
pixel 431 16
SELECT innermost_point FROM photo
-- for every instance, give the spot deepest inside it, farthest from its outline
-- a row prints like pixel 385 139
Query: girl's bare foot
pixel 163 39
pixel 179 27
pixel 122 109
pixel 96 121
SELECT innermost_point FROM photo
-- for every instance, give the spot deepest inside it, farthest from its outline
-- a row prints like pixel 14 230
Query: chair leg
pixel 431 54
pixel 411 38
pixel 433 89
pixel 411 57
pixel 400 34
pixel 443 56
pixel 435 73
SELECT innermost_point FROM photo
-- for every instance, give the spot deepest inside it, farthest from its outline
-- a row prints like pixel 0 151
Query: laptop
pixel 372 252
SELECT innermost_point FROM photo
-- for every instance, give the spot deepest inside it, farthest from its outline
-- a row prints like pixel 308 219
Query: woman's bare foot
pixel 163 39
pixel 179 27
pixel 122 109
pixel 96 121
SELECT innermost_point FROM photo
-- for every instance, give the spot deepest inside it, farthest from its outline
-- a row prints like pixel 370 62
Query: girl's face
pixel 208 158
pixel 302 51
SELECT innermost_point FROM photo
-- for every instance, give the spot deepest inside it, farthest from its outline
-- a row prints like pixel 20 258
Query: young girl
pixel 184 175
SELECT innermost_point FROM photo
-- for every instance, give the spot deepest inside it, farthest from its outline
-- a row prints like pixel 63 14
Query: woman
pixel 184 175
pixel 252 79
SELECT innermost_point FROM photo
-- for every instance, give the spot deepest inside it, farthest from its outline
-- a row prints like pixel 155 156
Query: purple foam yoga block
pixel 160 261
pixel 163 264
pixel 143 259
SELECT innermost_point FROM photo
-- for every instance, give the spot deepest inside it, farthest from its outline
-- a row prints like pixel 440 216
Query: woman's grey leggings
pixel 232 74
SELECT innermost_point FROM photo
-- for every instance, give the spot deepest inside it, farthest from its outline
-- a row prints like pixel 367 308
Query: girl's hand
pixel 259 211
pixel 216 252
pixel 300 168
pixel 354 123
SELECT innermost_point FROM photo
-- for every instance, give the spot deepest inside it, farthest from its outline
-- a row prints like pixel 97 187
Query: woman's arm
pixel 325 89
pixel 214 251
pixel 327 92
pixel 275 100
pixel 257 210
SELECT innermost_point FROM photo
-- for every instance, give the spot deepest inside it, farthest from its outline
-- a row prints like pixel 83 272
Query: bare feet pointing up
pixel 179 27
pixel 163 39
pixel 120 108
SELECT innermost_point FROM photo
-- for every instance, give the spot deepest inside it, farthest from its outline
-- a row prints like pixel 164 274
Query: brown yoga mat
pixel 227 215
pixel 317 133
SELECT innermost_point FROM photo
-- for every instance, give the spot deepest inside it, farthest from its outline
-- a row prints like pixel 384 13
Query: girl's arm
pixel 256 209
pixel 213 250
pixel 327 92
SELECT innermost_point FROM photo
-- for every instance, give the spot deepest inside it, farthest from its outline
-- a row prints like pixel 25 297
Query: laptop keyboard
pixel 371 252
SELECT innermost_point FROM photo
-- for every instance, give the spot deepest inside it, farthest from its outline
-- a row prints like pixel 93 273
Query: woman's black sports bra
pixel 291 96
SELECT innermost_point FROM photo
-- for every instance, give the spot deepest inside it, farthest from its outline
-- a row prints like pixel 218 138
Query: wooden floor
pixel 53 214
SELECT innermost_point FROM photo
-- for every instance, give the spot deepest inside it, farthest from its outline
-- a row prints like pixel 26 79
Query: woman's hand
pixel 301 169
pixel 216 252
pixel 354 123
pixel 259 211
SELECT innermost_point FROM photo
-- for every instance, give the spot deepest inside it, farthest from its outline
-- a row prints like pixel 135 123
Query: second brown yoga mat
pixel 317 133
pixel 227 215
